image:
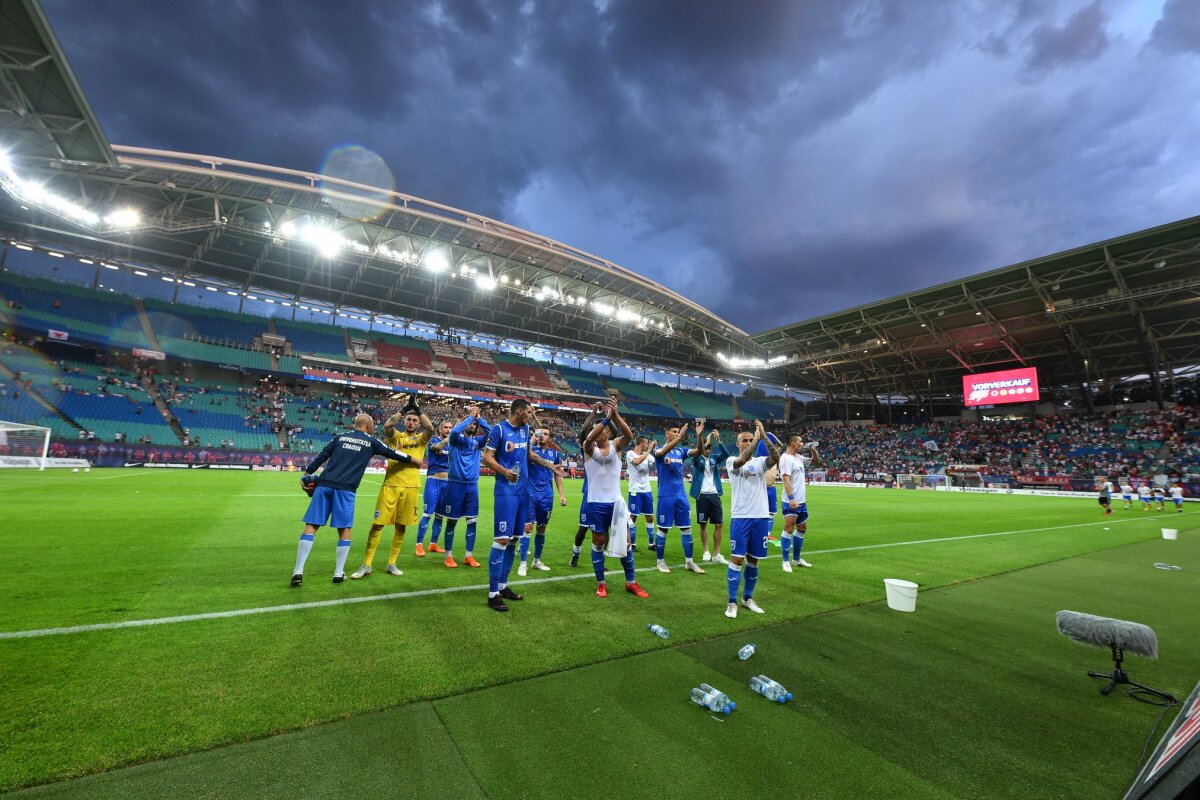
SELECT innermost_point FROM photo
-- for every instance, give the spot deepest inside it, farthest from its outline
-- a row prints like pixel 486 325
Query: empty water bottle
pixel 659 631
pixel 770 689
pixel 712 699
pixel 746 652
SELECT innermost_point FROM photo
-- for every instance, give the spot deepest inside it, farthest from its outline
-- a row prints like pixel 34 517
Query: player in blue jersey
pixel 674 506
pixel 437 464
pixel 345 458
pixel 461 500
pixel 541 498
pixel 508 455
pixel 582 531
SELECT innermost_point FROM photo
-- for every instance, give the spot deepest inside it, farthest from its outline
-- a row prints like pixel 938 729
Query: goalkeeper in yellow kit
pixel 400 496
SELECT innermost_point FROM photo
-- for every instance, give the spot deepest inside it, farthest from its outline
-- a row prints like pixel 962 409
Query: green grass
pixel 975 695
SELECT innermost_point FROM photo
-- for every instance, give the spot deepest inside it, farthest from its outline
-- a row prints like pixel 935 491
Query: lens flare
pixel 362 166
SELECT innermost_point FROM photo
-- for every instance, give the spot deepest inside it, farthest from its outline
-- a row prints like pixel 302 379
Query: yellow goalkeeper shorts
pixel 397 505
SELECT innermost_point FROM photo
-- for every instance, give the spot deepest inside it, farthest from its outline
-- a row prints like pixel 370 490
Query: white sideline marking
pixel 245 612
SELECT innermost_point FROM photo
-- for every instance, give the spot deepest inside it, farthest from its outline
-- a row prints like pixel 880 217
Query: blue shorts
pixel 435 491
pixel 508 515
pixel 771 497
pixel 800 512
pixel 540 508
pixel 674 512
pixel 332 506
pixel 600 517
pixel 1177 501
pixel 583 508
pixel 641 503
pixel 460 500
pixel 1126 497
pixel 748 537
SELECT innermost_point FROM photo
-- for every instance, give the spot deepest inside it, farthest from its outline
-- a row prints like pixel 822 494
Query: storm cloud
pixel 773 161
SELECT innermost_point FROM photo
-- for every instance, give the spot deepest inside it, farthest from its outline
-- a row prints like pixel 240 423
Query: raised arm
pixel 626 434
pixel 440 446
pixel 748 453
pixel 815 456
pixel 426 423
pixel 772 445
pixel 389 424
pixel 671 444
pixel 698 449
pixel 638 458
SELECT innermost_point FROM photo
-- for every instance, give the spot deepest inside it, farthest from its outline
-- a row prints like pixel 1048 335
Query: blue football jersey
pixel 435 461
pixel 541 479
pixel 510 448
pixel 670 473
pixel 464 452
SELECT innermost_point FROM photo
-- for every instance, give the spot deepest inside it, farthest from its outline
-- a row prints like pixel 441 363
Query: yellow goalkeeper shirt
pixel 412 444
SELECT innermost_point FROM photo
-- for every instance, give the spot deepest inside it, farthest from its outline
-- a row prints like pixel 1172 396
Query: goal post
pixel 23 445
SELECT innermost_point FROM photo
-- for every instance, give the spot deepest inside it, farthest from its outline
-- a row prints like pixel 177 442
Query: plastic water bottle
pixel 707 700
pixel 659 631
pixel 712 699
pixel 770 689
pixel 746 652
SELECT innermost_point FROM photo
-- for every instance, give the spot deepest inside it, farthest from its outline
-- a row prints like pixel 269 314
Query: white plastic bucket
pixel 901 595
pixel 1170 533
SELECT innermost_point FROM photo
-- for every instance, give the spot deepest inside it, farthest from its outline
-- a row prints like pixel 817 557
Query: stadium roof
pixel 350 248
pixel 43 112
pixel 1104 312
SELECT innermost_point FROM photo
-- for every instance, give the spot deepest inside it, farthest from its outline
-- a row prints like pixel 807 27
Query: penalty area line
pixel 342 601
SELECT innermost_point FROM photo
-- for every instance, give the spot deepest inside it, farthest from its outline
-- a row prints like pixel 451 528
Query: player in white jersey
pixel 641 498
pixel 1105 487
pixel 1177 496
pixel 603 467
pixel 751 520
pixel 1159 498
pixel 1127 493
pixel 1144 496
pixel 795 504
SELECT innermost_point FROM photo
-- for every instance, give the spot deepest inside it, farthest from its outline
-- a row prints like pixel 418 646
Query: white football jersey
pixel 603 475
pixel 1177 492
pixel 793 467
pixel 748 486
pixel 1144 491
pixel 639 474
pixel 1126 488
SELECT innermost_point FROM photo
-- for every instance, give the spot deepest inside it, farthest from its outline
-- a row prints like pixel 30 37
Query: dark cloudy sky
pixel 771 160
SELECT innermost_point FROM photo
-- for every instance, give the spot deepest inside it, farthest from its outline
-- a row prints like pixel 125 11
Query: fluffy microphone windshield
pixel 1107 632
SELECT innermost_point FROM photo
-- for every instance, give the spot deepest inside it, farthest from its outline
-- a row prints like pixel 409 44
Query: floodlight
pixel 123 218
pixel 435 260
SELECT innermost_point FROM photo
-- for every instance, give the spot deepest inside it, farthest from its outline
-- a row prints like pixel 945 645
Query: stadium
pixel 182 330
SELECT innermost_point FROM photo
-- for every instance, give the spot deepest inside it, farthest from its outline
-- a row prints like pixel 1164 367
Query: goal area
pixel 23 446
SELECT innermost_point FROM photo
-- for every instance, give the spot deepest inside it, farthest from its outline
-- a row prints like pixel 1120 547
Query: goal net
pixel 916 481
pixel 23 445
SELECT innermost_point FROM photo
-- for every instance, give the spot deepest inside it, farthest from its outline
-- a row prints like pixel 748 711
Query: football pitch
pixel 150 643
